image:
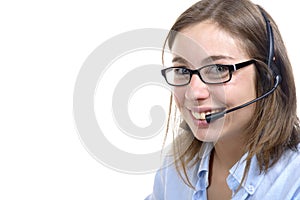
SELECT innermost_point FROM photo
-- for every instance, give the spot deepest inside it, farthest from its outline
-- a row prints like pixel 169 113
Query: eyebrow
pixel 216 57
pixel 179 60
pixel 205 60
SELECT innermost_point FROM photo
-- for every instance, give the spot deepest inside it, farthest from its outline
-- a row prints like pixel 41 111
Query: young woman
pixel 233 85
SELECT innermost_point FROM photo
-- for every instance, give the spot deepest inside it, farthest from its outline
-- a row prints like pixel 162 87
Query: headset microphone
pixel 214 116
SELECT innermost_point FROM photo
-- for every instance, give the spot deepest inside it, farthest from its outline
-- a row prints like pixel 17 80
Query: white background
pixel 42 47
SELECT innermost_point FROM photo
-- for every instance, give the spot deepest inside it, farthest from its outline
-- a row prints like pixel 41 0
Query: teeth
pixel 201 116
pixel 198 115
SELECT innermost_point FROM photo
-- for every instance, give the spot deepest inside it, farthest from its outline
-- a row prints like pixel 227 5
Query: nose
pixel 197 89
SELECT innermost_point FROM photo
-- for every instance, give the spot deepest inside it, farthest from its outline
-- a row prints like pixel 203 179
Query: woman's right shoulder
pixel 168 185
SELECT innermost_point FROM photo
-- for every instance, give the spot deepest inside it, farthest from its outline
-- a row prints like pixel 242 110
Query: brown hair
pixel 275 128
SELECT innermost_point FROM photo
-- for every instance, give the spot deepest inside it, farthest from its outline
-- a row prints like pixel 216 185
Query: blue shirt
pixel 280 182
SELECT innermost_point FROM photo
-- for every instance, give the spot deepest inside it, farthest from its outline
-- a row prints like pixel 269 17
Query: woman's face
pixel 214 46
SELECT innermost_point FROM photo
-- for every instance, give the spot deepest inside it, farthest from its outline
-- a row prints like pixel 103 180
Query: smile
pixel 201 115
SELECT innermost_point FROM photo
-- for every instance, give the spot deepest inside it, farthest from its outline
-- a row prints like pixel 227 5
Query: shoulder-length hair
pixel 275 126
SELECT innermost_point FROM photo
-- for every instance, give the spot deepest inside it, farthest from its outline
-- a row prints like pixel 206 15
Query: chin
pixel 208 132
pixel 207 135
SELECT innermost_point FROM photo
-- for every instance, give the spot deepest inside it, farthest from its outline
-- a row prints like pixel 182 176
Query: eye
pixel 216 69
pixel 215 73
pixel 181 71
pixel 219 68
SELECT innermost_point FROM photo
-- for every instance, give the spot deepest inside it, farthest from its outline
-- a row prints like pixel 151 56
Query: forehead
pixel 206 39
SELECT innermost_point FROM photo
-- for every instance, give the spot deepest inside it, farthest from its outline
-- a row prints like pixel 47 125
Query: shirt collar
pixel 251 182
pixel 203 169
pixel 253 179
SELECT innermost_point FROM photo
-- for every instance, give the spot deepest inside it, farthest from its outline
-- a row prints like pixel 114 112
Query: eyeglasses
pixel 209 74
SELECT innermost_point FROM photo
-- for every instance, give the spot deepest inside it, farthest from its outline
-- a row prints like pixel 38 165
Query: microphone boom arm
pixel 212 117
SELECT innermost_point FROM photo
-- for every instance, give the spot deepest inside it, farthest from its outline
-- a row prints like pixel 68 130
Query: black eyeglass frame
pixel 232 68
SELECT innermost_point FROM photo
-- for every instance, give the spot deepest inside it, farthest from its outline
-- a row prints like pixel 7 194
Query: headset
pixel 277 77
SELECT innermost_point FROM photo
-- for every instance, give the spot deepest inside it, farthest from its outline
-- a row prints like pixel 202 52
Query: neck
pixel 227 153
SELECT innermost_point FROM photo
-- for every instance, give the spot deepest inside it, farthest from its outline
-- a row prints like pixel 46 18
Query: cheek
pixel 179 96
pixel 241 89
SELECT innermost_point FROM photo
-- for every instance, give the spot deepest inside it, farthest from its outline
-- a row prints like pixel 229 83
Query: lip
pixel 197 122
pixel 206 109
pixel 203 123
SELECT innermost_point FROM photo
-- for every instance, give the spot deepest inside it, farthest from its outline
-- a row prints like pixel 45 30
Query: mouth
pixel 201 115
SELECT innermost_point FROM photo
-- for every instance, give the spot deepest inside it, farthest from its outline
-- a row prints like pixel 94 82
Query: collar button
pixel 251 189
